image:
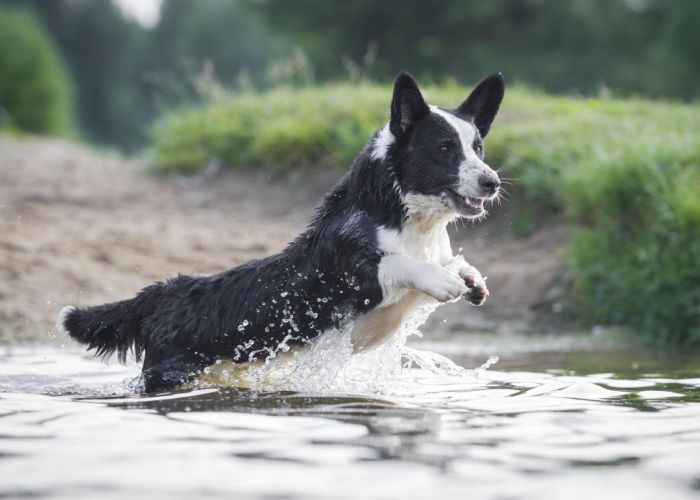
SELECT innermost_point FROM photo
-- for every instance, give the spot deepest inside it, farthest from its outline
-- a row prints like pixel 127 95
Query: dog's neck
pixel 426 213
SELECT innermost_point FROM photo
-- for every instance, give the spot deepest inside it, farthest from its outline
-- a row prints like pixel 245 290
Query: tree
pixel 35 89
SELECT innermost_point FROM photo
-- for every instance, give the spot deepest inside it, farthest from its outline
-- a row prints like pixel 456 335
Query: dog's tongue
pixel 477 203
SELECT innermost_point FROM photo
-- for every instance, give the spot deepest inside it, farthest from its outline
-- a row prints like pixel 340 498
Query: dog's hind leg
pixel 165 373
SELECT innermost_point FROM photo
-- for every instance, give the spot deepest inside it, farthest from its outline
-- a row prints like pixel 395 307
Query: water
pixel 551 420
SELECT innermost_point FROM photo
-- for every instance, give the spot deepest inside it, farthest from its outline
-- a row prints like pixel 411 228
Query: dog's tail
pixel 109 328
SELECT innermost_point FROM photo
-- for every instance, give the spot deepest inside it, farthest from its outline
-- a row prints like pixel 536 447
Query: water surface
pixel 548 421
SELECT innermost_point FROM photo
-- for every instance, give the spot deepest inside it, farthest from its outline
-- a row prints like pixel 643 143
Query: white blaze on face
pixel 472 167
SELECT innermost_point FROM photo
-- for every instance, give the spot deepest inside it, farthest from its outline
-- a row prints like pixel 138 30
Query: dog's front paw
pixel 442 284
pixel 477 291
pixel 476 284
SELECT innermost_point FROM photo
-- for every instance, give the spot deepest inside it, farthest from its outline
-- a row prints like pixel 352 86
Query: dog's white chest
pixel 422 238
pixel 422 241
pixel 428 246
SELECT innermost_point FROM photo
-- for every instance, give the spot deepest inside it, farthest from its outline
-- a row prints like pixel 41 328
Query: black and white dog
pixel 376 250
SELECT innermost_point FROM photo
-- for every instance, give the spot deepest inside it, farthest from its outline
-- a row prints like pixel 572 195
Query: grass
pixel 623 174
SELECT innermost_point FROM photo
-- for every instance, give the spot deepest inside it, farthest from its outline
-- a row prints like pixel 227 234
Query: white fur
pixel 401 271
pixel 63 316
pixel 465 270
pixel 382 143
pixel 416 255
pixel 464 129
pixel 427 211
pixel 418 267
pixel 472 167
pixel 421 236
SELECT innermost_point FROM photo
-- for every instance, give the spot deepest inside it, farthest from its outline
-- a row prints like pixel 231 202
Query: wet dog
pixel 376 251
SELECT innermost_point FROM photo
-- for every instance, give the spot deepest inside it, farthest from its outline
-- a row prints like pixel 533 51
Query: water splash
pixel 125 387
pixel 330 365
pixel 479 372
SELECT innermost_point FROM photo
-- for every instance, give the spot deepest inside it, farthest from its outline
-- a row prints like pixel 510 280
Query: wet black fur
pixel 427 160
pixel 326 276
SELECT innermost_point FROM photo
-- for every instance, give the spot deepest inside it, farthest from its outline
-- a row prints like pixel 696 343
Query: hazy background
pixel 131 59
pixel 597 137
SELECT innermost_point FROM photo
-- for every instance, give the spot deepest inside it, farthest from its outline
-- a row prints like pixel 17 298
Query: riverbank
pixel 84 227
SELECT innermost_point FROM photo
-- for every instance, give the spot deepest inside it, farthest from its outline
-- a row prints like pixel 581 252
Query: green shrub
pixel 35 90
pixel 624 174
pixel 281 129
pixel 636 252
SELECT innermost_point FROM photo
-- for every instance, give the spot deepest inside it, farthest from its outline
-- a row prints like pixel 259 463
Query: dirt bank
pixel 79 227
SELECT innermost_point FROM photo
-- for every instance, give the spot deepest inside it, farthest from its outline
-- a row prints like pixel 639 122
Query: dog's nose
pixel 489 183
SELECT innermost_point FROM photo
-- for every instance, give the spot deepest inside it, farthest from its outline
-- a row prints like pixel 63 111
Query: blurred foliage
pixel 225 37
pixel 127 74
pixel 644 47
pixel 284 128
pixel 105 54
pixel 625 175
pixel 35 89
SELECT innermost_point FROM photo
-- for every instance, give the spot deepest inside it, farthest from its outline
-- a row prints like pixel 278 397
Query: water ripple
pixel 73 428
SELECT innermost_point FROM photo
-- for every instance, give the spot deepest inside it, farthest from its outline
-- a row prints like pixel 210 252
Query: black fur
pixel 483 103
pixel 325 277
pixel 407 106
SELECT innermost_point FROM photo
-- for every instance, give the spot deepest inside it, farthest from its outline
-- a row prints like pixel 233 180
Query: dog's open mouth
pixel 466 205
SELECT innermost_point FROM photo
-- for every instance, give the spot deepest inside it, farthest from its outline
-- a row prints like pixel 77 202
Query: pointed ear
pixel 407 106
pixel 482 104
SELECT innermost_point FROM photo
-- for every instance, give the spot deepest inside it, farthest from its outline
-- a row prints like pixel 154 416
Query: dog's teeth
pixel 475 202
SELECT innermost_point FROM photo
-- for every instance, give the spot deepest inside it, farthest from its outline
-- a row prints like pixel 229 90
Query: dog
pixel 376 250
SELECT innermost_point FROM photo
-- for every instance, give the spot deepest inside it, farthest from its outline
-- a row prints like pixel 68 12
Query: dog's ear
pixel 482 104
pixel 407 105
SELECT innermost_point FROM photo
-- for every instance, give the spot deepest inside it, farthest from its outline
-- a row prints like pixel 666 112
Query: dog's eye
pixel 444 148
pixel 479 148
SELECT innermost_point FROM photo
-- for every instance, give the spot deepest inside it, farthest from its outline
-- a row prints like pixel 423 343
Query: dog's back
pixel 323 278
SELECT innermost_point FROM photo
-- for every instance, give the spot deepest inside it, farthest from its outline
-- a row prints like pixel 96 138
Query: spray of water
pixel 329 365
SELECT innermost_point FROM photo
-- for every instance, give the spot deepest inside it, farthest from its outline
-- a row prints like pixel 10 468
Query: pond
pixel 551 419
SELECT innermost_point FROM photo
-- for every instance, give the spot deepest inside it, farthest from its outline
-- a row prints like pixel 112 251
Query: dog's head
pixel 438 153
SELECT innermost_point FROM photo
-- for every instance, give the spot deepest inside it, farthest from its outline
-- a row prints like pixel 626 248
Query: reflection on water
pixel 541 425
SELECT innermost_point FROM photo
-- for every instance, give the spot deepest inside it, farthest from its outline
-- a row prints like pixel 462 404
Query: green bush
pixel 636 252
pixel 624 174
pixel 35 90
pixel 281 129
